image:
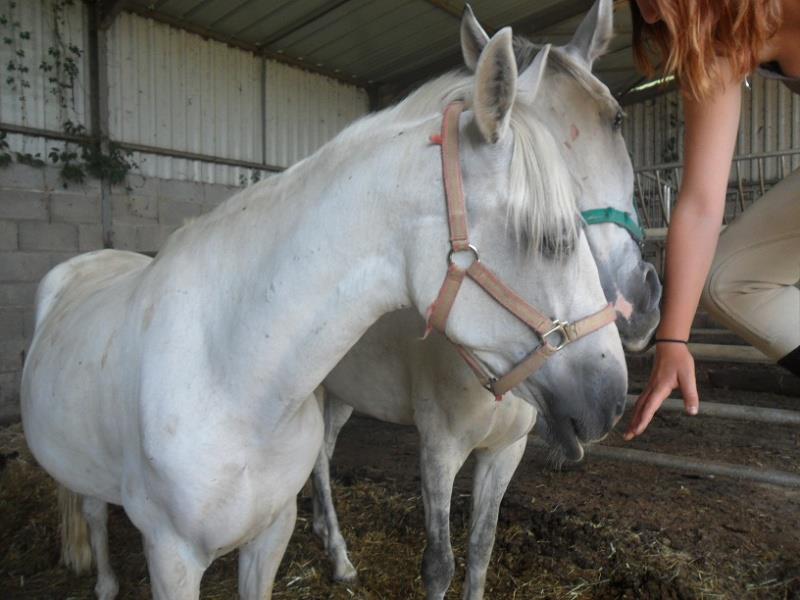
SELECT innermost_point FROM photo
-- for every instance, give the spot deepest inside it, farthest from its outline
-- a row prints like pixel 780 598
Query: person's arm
pixel 710 138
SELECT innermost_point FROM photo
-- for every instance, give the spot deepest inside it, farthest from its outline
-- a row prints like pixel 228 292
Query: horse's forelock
pixel 542 210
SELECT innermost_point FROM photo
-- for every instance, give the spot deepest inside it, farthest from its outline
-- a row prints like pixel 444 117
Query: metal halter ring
pixel 469 248
pixel 560 327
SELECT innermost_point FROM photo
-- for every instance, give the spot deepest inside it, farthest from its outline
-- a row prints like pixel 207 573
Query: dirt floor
pixel 599 529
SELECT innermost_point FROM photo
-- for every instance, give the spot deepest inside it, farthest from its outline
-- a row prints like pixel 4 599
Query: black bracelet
pixel 670 341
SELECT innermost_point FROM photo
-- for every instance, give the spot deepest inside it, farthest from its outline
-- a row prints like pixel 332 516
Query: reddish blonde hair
pixel 693 35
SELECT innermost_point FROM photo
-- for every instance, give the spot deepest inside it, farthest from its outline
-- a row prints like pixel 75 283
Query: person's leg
pixel 752 286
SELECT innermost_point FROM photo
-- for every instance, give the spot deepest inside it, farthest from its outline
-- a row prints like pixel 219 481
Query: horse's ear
pixel 531 78
pixel 594 34
pixel 495 86
pixel 473 38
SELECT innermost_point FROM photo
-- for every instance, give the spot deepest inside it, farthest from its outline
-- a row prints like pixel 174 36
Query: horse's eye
pixel 620 116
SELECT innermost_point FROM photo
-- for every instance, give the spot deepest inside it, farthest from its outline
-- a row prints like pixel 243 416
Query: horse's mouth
pixel 635 333
pixel 564 438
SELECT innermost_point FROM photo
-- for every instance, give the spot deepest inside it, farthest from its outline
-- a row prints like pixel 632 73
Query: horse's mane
pixel 541 209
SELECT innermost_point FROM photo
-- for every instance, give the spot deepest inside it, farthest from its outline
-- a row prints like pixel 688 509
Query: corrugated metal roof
pixel 380 42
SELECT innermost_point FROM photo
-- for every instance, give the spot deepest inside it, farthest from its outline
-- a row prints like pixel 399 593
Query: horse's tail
pixel 76 553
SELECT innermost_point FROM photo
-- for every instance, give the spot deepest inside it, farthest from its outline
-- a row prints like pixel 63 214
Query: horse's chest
pixel 224 484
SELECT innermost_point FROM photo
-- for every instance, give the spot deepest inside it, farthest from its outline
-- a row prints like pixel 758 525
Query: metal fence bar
pixel 663 203
pixel 656 185
pixel 753 156
pixel 687 464
pixel 723 353
pixel 739 412
pixel 64 137
pixel 638 198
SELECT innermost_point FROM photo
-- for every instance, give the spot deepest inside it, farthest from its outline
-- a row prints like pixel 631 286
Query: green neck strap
pixel 618 217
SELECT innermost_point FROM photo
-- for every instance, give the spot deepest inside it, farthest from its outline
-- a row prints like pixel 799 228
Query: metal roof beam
pixel 527 26
pixel 628 96
pixel 304 21
pixel 233 42
pixel 563 11
pixel 446 7
pixel 108 11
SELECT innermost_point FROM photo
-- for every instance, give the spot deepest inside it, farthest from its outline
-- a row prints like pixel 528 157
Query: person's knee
pixel 716 291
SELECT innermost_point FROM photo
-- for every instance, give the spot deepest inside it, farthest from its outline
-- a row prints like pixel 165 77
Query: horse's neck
pixel 296 277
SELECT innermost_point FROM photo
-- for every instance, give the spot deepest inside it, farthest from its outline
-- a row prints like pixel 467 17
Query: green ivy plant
pixel 255 177
pixel 61 65
pixel 5 155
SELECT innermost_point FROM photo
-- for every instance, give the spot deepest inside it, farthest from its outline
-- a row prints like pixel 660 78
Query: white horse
pixel 392 376
pixel 182 387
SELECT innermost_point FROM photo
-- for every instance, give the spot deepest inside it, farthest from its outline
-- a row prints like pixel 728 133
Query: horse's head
pixel 586 120
pixel 524 222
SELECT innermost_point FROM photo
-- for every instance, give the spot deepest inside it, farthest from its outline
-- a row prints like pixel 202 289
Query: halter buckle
pixel 560 328
pixel 469 248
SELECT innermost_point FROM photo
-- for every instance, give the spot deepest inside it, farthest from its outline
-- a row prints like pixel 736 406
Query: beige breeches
pixel 752 286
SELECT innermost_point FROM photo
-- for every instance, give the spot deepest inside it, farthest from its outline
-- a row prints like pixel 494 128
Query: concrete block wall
pixel 42 224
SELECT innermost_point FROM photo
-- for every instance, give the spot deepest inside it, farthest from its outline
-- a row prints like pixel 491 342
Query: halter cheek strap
pixel 544 327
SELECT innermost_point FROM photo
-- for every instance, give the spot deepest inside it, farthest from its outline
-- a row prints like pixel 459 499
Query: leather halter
pixel 438 312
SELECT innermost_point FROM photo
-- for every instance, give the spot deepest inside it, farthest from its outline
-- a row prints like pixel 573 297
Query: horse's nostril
pixel 653 287
pixel 576 427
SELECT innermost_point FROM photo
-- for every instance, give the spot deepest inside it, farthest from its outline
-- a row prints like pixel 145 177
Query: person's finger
pixel 654 401
pixel 640 402
pixel 691 399
pixel 638 407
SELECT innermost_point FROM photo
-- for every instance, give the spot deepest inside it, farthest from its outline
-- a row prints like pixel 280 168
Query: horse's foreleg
pixel 175 568
pixel 96 513
pixel 493 472
pixel 259 559
pixel 326 523
pixel 439 464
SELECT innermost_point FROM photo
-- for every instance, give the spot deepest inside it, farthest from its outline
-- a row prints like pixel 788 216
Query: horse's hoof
pixel 347 574
pixel 106 589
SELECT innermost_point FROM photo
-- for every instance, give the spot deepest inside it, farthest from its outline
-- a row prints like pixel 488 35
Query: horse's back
pixel 71 396
pixel 84 274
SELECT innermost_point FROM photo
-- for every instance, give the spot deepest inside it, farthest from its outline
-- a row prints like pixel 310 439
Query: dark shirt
pixel 772 70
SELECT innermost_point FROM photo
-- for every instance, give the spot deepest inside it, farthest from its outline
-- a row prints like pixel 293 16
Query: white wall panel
pixel 175 90
pixel 305 110
pixel 37 106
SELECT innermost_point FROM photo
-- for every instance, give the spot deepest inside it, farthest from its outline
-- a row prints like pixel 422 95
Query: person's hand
pixel 673 367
